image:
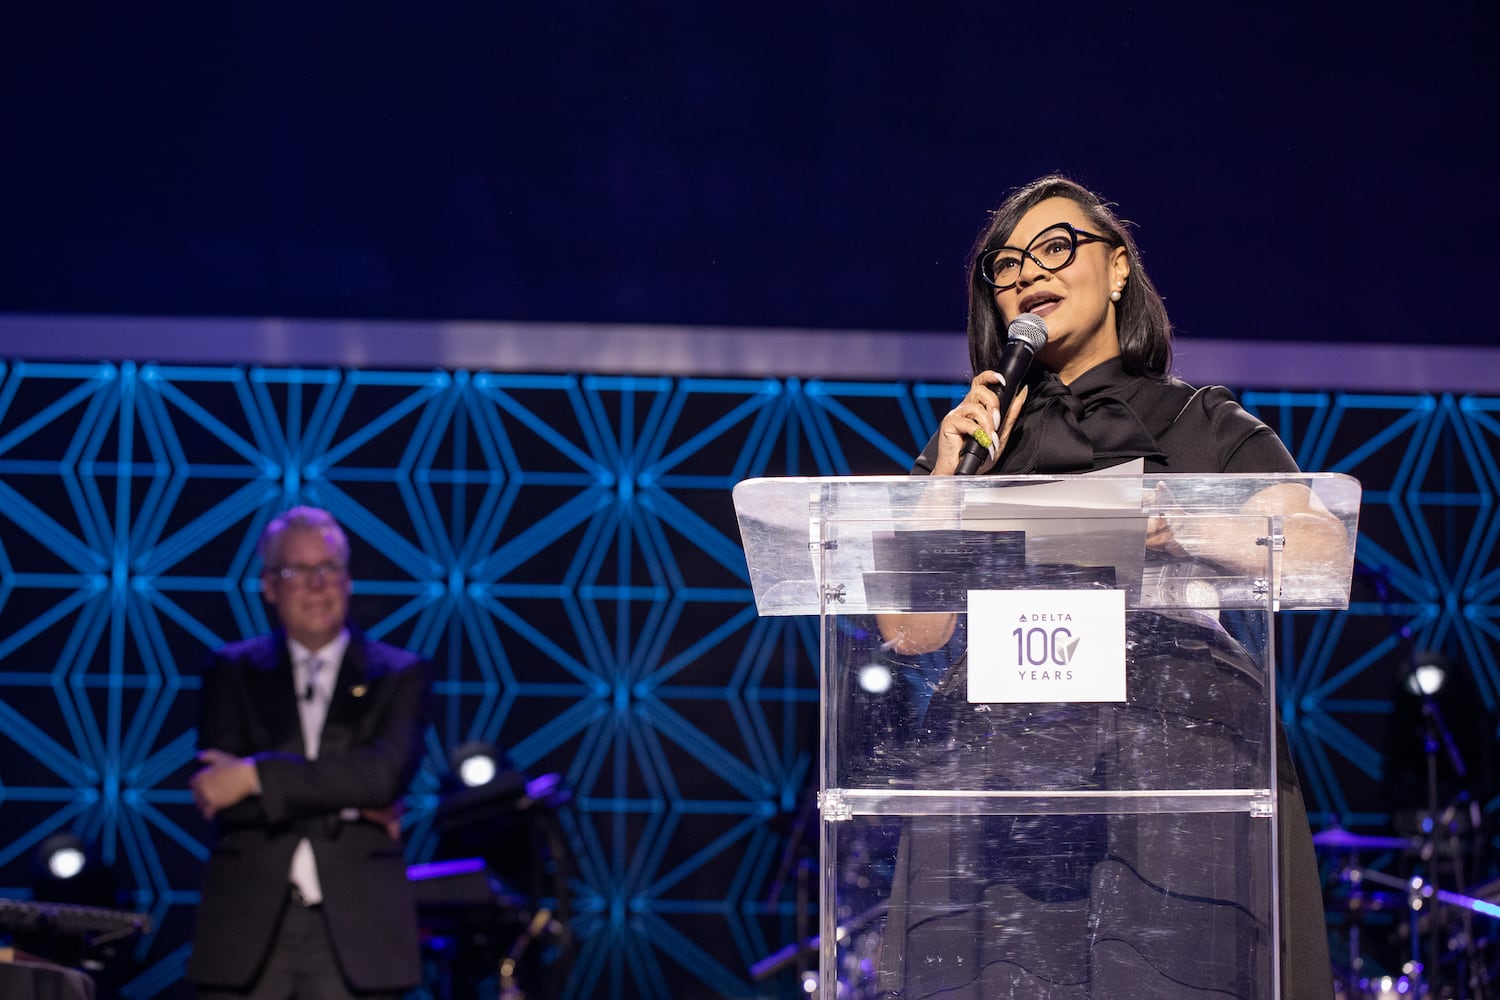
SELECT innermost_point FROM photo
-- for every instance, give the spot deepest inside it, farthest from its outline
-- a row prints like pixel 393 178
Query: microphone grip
pixel 1014 362
pixel 970 457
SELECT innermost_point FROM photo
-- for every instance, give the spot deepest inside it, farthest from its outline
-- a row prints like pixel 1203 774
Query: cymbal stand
pixel 1438 827
pixel 1418 892
pixel 1422 895
pixel 1438 737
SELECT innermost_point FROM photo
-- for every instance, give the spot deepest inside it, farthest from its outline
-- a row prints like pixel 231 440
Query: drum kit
pixel 1417 920
pixel 1406 933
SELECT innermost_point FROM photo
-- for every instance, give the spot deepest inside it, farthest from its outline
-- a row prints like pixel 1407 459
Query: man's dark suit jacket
pixel 371 747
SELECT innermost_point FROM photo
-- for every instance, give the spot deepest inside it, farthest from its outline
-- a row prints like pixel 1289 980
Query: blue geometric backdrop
pixel 564 548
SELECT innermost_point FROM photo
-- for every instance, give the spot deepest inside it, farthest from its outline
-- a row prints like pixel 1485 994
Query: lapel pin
pixel 359 690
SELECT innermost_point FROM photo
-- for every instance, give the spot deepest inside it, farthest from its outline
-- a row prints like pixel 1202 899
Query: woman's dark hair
pixel 1140 315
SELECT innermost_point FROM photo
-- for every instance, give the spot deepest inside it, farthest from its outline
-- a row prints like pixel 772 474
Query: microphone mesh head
pixel 1029 328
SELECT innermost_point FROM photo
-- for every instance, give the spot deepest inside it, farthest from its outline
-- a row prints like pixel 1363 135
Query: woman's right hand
pixel 977 415
pixel 928 631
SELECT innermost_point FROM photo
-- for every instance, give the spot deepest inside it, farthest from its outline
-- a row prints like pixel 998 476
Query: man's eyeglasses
pixel 1053 249
pixel 319 575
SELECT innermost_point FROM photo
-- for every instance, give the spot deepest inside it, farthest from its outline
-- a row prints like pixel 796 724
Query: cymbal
pixel 1338 837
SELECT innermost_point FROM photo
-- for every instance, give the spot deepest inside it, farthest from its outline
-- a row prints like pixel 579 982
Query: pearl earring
pixel 1114 296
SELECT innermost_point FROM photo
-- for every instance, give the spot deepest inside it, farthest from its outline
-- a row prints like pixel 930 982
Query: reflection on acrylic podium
pixel 1071 790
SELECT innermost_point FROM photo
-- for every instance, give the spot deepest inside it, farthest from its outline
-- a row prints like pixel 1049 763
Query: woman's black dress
pixel 1031 922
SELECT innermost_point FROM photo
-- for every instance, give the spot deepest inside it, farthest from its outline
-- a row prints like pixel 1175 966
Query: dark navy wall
pixel 1311 173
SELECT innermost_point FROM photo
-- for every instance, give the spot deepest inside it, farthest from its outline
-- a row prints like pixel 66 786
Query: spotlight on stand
pixel 482 788
pixel 1439 772
pixel 498 900
pixel 1427 673
pixel 66 870
pixel 73 918
pixel 64 858
pixel 476 764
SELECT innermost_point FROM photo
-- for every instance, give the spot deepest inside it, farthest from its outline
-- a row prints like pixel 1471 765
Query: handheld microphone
pixel 1023 338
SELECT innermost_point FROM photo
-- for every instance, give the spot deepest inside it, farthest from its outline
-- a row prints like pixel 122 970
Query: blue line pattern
pixel 564 548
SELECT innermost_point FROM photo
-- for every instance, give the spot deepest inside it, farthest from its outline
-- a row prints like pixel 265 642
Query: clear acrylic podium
pixel 1075 793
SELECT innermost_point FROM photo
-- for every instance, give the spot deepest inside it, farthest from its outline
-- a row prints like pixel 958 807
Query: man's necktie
pixel 314 666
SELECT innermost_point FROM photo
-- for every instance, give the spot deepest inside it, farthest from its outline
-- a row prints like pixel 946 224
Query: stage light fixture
pixel 875 678
pixel 482 783
pixel 501 884
pixel 1427 673
pixel 64 856
pixel 476 764
pixel 66 869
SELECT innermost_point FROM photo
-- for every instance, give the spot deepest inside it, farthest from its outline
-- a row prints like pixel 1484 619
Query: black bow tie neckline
pixel 1062 432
